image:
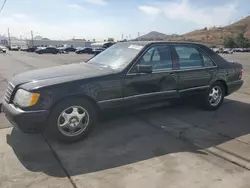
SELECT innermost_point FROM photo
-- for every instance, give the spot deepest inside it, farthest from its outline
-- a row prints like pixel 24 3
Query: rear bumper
pixel 26 121
pixel 234 86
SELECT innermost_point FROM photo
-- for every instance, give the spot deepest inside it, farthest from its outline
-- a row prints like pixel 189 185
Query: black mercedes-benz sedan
pixel 68 98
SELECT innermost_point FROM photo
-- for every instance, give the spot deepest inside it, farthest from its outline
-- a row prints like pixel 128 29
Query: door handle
pixel 173 74
pixel 211 70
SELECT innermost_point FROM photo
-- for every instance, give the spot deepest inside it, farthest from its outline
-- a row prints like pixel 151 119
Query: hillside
pixel 213 36
pixel 154 35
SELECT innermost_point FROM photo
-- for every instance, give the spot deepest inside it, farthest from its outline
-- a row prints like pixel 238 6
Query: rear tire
pixel 72 120
pixel 214 96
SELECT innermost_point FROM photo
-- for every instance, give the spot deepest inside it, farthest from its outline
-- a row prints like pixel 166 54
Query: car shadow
pixel 125 136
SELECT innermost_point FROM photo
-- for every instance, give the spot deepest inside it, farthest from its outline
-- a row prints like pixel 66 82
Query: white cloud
pixel 185 11
pixel 75 6
pixel 152 11
pixel 97 2
pixel 80 8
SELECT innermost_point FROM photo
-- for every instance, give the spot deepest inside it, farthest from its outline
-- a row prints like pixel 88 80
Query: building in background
pixel 59 43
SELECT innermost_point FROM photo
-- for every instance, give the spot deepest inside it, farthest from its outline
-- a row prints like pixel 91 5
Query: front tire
pixel 72 119
pixel 214 96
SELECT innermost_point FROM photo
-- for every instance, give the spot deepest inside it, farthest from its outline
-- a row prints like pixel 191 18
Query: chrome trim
pixel 154 72
pixel 202 68
pixel 9 92
pixel 135 96
pixel 110 100
pixel 150 94
pixel 170 71
pixel 22 111
pixel 195 88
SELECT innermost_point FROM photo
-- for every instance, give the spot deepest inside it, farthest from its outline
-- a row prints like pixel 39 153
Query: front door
pixel 158 85
pixel 196 69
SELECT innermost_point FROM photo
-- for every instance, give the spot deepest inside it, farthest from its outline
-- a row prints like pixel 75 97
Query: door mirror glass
pixel 144 69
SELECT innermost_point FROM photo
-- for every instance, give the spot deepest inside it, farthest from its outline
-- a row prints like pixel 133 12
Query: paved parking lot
pixel 181 146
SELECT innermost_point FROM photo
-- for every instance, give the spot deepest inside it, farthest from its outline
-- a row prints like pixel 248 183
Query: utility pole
pixel 138 35
pixel 32 39
pixel 9 37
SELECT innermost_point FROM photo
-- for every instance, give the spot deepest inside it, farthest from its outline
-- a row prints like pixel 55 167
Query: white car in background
pixel 3 49
pixel 14 48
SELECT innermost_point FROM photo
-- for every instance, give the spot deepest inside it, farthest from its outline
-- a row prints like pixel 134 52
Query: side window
pixel 159 57
pixel 147 56
pixel 208 62
pixel 189 57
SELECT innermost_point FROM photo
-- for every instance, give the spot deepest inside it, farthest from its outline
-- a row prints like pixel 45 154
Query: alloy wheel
pixel 73 121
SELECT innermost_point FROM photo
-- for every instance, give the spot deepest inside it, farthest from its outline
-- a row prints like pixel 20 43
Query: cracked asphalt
pixel 162 146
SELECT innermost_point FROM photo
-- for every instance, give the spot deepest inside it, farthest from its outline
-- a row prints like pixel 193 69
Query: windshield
pixel 117 56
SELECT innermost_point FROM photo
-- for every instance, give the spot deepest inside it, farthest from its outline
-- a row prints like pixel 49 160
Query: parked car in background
pixel 14 48
pixel 24 48
pixel 32 49
pixel 238 49
pixel 3 49
pixel 47 50
pixel 96 51
pixel 227 51
pixel 61 50
pixel 246 50
pixel 86 50
pixel 69 49
pixel 68 98
pixel 215 50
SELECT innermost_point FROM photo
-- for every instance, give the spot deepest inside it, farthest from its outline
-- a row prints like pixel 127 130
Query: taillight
pixel 241 74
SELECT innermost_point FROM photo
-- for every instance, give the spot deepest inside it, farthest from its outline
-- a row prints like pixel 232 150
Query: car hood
pixel 63 72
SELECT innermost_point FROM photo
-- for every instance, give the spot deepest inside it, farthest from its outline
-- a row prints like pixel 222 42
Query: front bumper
pixel 26 121
pixel 234 86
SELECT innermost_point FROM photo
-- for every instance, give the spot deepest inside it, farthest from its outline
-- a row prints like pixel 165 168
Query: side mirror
pixel 144 69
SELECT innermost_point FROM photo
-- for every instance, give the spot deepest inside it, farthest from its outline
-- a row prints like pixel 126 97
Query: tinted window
pixel 189 57
pixel 159 57
pixel 208 62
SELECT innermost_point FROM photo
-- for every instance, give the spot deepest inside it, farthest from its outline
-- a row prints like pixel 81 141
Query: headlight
pixel 24 98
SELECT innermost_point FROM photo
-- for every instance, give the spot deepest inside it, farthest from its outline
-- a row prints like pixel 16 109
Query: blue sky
pixel 100 19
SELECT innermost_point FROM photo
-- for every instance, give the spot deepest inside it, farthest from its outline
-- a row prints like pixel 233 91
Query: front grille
pixel 9 92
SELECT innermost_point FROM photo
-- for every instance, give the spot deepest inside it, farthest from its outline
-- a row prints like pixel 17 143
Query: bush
pixel 229 42
pixel 238 42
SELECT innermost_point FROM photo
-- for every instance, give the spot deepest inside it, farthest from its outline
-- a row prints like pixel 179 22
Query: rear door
pixel 195 68
pixel 158 85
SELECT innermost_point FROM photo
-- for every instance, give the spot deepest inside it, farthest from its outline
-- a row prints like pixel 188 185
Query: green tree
pixel 242 41
pixel 229 42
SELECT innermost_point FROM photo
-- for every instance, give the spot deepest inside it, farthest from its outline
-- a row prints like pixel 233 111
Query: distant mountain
pixel 38 38
pixel 153 35
pixel 209 36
